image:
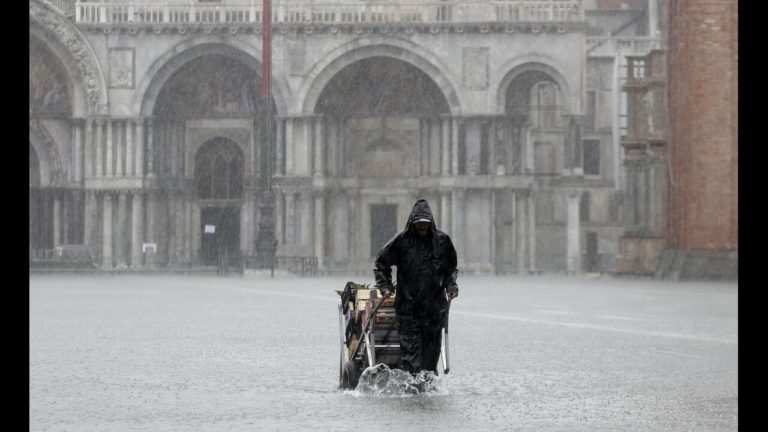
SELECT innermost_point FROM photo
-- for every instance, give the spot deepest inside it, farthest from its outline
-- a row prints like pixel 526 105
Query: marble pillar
pixel 150 148
pixel 319 146
pixel 290 218
pixel 320 229
pixel 106 253
pixel 573 252
pixel 137 219
pixel 445 147
pixel 531 205
pixel 139 145
pixel 122 222
pixel 520 223
pixel 56 220
pixel 130 169
pixel 99 146
pixel 455 146
pixel 109 171
pixel 120 149
pixel 149 235
pixel 458 220
pixel 290 146
pixel 88 165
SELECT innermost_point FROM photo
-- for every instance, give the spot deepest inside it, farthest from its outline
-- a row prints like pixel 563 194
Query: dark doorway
pixel 383 225
pixel 592 253
pixel 225 237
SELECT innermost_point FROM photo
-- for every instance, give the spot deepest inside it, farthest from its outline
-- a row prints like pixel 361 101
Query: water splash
pixel 380 380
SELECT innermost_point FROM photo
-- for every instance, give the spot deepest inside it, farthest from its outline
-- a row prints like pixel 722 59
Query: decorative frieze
pixel 68 35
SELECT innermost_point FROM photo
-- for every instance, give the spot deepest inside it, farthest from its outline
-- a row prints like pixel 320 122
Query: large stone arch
pixel 323 71
pixel 48 157
pixel 89 90
pixel 519 65
pixel 165 66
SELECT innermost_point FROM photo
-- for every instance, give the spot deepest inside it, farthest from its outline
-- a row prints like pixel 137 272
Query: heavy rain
pixel 226 229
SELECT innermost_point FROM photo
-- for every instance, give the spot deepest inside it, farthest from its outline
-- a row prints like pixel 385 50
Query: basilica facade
pixel 147 136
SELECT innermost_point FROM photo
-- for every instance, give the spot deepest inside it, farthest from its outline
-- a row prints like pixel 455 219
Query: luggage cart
pixel 368 335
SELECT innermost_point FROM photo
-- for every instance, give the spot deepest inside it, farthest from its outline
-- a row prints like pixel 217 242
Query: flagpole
pixel 266 241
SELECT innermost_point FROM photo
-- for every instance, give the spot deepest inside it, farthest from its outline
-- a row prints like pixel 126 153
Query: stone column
pixel 149 235
pixel 137 214
pixel 520 223
pixel 150 148
pixel 130 170
pixel 56 220
pixel 445 147
pixel 289 147
pixel 573 248
pixel 139 144
pixel 279 148
pixel 99 145
pixel 320 229
pixel 89 222
pixel 121 149
pixel 333 143
pixel 653 18
pixel 109 172
pixel 77 166
pixel 106 254
pixel 458 220
pixel 528 148
pixel 280 217
pixel 247 214
pixel 196 232
pixel 88 165
pixel 319 146
pixel 307 219
pixel 455 146
pixel 290 218
pixel 435 159
pixel 188 227
pixel 531 232
pixel 122 221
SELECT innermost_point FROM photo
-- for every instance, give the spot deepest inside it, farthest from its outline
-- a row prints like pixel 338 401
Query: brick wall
pixel 702 60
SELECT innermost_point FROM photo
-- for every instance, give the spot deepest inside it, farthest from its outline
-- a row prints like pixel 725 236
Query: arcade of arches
pixel 188 178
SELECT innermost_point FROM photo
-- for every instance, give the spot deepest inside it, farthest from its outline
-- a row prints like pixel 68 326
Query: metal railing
pixel 63 256
pixel 300 265
pixel 329 12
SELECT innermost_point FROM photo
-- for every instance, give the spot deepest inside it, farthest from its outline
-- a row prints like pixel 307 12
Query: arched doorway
pixel 207 145
pixel 219 167
pixel 388 126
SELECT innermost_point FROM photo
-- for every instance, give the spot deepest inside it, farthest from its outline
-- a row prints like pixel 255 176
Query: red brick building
pixel 702 229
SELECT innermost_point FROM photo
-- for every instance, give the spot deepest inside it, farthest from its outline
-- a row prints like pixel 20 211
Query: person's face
pixel 422 228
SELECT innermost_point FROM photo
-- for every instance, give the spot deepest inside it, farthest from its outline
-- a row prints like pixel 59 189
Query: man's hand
pixel 385 293
pixel 452 295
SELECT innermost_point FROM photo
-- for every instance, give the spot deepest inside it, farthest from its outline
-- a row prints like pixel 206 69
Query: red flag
pixel 266 67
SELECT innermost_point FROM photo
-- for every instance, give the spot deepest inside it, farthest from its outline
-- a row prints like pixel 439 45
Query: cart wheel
pixel 349 375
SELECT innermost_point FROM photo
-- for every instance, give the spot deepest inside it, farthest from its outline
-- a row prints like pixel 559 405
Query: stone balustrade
pixel 329 12
pixel 629 45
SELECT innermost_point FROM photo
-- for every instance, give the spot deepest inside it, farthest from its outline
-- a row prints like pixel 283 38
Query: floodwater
pixel 544 353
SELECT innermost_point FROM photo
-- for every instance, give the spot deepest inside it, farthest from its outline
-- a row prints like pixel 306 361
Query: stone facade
pixel 515 142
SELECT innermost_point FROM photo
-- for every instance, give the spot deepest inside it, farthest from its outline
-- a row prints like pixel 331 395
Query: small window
pixel 591 157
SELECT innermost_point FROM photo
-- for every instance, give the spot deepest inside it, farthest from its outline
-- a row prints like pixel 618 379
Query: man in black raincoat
pixel 426 272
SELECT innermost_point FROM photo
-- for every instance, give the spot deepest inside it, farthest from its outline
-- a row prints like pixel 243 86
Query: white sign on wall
pixel 210 229
pixel 149 247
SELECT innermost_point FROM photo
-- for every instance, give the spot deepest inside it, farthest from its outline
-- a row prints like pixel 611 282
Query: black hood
pixel 421 210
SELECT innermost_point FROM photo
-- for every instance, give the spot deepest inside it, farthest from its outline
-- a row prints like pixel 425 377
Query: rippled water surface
pixel 173 353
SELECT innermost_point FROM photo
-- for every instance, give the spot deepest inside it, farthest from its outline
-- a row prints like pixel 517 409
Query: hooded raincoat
pixel 426 270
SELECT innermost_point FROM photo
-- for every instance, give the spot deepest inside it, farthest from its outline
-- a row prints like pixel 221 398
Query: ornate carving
pixel 54 161
pixel 65 33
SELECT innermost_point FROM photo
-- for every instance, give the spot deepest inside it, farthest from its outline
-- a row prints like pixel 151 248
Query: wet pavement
pixel 544 353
